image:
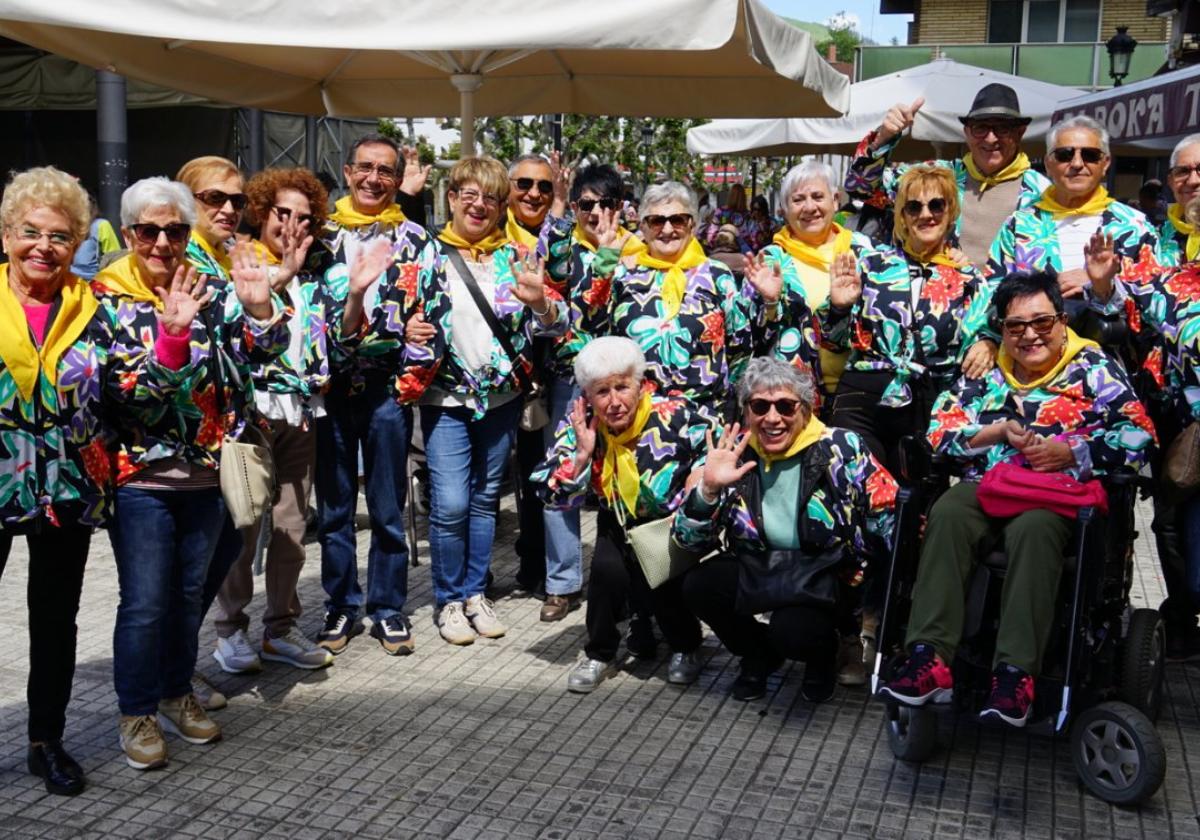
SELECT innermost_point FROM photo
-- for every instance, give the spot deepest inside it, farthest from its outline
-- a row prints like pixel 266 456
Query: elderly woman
pixel 470 413
pixel 631 451
pixel 1054 403
pixel 697 326
pixel 802 253
pixel 795 516
pixel 169 509
pixel 286 206
pixel 60 371
pixel 909 318
pixel 217 187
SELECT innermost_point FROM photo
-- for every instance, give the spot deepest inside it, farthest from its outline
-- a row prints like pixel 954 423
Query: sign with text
pixel 1152 112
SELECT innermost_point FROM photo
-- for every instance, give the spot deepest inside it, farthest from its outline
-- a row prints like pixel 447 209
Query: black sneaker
pixel 1011 700
pixel 394 635
pixel 820 679
pixel 641 641
pixel 751 682
pixel 1183 642
pixel 339 629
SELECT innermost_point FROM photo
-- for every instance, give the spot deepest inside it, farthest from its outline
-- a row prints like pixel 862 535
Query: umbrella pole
pixel 466 84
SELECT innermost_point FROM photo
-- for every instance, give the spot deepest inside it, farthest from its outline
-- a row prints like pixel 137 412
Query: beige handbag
pixel 1181 466
pixel 659 555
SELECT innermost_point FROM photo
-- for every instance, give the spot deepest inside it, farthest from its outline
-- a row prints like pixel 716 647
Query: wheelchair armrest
pixel 1126 477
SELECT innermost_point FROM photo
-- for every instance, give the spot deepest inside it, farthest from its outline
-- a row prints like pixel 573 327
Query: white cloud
pixel 843 20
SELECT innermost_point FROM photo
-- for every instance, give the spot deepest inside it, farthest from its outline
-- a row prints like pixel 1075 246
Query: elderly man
pixel 994 177
pixel 1051 235
pixel 360 410
pixel 1183 177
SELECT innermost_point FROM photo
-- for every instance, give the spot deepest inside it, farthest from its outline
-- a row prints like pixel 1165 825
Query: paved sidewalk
pixel 484 742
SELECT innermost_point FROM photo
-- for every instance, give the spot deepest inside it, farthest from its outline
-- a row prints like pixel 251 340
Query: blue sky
pixel 879 28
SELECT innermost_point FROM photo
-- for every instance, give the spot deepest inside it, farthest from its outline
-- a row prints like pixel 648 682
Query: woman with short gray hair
pixel 798 518
pixel 632 451
pixel 697 326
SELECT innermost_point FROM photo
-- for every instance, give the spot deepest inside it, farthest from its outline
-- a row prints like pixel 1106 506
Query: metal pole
pixel 254 140
pixel 754 176
pixel 466 84
pixel 311 139
pixel 112 143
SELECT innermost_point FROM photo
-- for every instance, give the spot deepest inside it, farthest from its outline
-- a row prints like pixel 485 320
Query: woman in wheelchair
pixel 1054 403
pixel 797 517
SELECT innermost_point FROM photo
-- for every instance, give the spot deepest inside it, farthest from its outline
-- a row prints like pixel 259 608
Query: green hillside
pixel 819 31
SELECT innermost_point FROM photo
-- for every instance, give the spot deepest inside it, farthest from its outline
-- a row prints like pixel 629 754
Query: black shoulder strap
pixel 489 315
pixel 214 359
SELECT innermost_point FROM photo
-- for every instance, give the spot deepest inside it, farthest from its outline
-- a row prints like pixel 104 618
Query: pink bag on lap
pixel 1008 490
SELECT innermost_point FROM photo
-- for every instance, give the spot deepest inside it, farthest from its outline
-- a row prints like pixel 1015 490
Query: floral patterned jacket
pixel 522 325
pixel 672 443
pixel 1172 245
pixel 187 425
pixel 884 332
pixel 1089 405
pixel 567 263
pixel 701 352
pixel 872 179
pixel 852 507
pixel 54 462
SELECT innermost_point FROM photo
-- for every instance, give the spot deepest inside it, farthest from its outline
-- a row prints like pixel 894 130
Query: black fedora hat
pixel 996 102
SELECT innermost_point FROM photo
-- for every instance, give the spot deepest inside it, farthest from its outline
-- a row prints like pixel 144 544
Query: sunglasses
pixel 1181 172
pixel 1000 129
pixel 385 172
pixel 526 184
pixel 1066 154
pixel 586 204
pixel 217 199
pixel 937 206
pixel 285 213
pixel 1042 325
pixel 677 220
pixel 785 407
pixel 147 234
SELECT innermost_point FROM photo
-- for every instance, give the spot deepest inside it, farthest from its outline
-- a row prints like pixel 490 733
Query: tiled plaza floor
pixel 484 742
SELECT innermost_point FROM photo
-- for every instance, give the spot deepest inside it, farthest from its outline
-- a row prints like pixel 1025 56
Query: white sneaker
pixel 453 624
pixel 294 648
pixel 482 614
pixel 235 656
pixel 588 674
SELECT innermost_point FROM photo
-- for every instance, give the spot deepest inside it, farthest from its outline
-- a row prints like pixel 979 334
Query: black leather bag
pixel 805 576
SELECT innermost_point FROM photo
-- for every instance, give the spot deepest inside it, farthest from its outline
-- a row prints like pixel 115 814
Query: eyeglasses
pixel 1066 154
pixel 979 130
pixel 677 220
pixel 937 206
pixel 285 213
pixel 526 184
pixel 57 238
pixel 471 196
pixel 1042 325
pixel 218 199
pixel 148 234
pixel 586 204
pixel 785 407
pixel 1181 172
pixel 385 172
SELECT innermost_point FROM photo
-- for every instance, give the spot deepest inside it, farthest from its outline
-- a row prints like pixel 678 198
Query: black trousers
pixel 616 579
pixel 57 557
pixel 531 544
pixel 856 407
pixel 805 634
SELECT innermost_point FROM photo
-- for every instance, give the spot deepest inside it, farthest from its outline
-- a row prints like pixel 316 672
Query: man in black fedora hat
pixel 994 177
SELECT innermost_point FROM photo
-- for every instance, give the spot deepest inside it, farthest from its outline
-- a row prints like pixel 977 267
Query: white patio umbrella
pixel 947 86
pixel 671 58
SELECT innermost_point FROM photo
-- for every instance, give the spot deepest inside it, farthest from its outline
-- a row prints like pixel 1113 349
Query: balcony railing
pixel 1074 65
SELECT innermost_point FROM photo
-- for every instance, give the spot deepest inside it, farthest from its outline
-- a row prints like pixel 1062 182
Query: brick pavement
pixel 484 742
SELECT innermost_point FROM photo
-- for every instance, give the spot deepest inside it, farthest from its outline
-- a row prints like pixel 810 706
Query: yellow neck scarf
pixel 486 245
pixel 344 215
pixel 519 234
pixel 221 259
pixel 22 358
pixel 264 253
pixel 1014 170
pixel 630 247
pixel 1175 214
pixel 674 280
pixel 809 435
pixel 1094 206
pixel 809 254
pixel 1074 345
pixel 620 475
pixel 937 259
pixel 123 278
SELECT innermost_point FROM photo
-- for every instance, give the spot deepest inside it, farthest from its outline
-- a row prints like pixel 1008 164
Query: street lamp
pixel 647 139
pixel 1120 53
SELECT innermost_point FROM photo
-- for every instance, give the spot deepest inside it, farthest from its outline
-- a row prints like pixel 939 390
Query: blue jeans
pixel 564 551
pixel 163 541
pixel 466 465
pixel 374 421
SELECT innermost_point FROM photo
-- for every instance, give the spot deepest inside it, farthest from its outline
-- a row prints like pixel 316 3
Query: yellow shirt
pixel 816 289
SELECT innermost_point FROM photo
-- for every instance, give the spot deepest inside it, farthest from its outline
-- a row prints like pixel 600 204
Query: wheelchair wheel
pixel 1143 657
pixel 911 730
pixel 1118 753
